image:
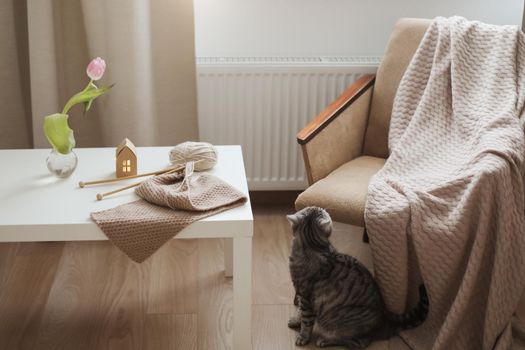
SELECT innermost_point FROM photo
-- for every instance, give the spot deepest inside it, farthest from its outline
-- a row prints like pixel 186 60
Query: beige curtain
pixel 15 103
pixel 149 50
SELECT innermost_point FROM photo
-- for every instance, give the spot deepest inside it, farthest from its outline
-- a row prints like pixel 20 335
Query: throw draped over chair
pixel 347 143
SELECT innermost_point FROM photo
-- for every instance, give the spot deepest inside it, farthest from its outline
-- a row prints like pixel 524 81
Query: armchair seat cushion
pixel 343 192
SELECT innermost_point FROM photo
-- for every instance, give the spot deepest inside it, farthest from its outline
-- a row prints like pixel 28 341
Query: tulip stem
pixel 90 92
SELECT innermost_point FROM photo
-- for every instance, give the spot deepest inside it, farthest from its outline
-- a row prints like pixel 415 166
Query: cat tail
pixel 413 317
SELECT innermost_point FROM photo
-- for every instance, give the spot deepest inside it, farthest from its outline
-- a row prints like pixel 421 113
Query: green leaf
pixel 87 106
pixel 86 96
pixel 58 132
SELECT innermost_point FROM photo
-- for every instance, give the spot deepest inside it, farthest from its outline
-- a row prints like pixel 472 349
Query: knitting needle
pixel 82 184
pixel 88 183
pixel 101 196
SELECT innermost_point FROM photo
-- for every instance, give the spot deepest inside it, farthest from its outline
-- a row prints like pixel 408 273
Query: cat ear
pixel 326 226
pixel 293 219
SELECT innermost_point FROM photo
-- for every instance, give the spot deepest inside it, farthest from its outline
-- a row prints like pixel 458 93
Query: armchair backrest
pixel 404 41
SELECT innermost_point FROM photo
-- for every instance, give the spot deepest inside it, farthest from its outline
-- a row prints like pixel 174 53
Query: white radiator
pixel 261 104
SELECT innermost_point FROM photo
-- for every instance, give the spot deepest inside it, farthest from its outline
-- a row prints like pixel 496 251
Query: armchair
pixel 347 143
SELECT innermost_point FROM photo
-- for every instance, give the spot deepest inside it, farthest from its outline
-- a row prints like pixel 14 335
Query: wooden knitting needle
pixel 101 196
pixel 104 181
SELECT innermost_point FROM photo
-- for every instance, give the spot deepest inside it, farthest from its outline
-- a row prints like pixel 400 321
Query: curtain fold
pixel 149 50
pixel 15 99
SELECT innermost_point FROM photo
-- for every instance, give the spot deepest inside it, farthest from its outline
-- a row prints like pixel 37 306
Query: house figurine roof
pixel 126 143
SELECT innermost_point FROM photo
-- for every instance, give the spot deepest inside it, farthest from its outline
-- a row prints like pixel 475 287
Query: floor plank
pixel 270 329
pixel 215 297
pixel 173 284
pixel 171 332
pixel 8 253
pixel 123 304
pixel 97 300
pixel 272 240
pixel 25 292
pixel 272 333
pixel 88 295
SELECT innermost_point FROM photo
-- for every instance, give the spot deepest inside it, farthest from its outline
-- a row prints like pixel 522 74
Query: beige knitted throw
pixel 448 206
pixel 169 204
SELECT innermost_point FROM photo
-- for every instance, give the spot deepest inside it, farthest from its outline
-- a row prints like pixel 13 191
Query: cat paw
pixel 301 340
pixel 294 323
pixel 322 343
pixel 360 343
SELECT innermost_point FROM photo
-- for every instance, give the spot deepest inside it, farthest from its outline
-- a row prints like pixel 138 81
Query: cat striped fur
pixel 336 293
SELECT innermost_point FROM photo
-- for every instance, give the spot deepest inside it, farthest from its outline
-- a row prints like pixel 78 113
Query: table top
pixel 37 206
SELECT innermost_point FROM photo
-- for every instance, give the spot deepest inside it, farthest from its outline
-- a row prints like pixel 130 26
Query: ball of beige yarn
pixel 203 152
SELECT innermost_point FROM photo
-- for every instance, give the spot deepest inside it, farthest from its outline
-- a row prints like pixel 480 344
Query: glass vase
pixel 61 165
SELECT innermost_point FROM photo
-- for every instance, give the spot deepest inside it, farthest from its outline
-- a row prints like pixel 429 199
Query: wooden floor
pixel 88 295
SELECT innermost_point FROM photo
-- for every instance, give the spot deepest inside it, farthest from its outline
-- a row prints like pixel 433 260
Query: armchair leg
pixel 365 237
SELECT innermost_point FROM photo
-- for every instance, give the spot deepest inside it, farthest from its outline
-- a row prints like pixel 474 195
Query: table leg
pixel 228 257
pixel 242 293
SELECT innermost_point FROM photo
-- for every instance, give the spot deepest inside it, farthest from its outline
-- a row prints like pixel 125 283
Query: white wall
pixel 323 27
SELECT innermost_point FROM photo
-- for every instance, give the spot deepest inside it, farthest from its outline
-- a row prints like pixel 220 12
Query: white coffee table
pixel 36 207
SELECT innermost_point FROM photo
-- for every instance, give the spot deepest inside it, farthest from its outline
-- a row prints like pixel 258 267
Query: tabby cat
pixel 337 292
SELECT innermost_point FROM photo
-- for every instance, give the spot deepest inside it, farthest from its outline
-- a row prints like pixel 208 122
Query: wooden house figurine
pixel 126 159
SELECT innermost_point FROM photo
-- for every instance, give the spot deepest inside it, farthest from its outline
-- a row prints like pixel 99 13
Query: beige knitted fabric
pixel 169 205
pixel 448 206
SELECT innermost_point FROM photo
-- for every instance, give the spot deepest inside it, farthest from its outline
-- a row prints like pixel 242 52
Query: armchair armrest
pixel 336 135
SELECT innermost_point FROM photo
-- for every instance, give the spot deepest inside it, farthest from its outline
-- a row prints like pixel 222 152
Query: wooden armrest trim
pixel 335 108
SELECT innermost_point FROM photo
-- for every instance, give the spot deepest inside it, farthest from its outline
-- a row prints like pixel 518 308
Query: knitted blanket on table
pixel 448 206
pixel 170 203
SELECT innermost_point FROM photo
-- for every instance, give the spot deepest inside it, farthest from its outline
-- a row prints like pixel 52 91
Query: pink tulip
pixel 95 69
